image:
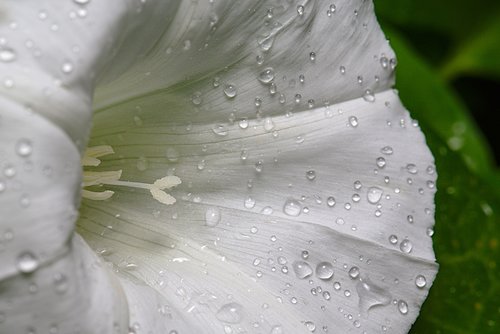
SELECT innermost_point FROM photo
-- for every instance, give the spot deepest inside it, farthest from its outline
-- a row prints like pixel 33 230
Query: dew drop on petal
pixel 402 307
pixel 231 313
pixel 420 281
pixel 292 207
pixel 380 162
pixel 24 147
pixel 374 195
pixel 230 91
pixel 330 201
pixel 354 272
pixel 212 216
pixel 393 239
pixel 300 10
pixel 406 246
pixel 266 76
pixel 371 295
pixel 353 121
pixel 369 96
pixel 311 327
pixel 302 269
pixel 324 270
pixel 310 175
pixel 7 55
pixel 27 263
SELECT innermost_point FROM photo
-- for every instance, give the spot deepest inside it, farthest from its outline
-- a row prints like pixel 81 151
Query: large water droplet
pixel 406 246
pixel 324 270
pixel 230 313
pixel 302 269
pixel 403 307
pixel 212 216
pixel 371 295
pixel 266 76
pixel 27 263
pixel 292 207
pixel 374 195
pixel 420 281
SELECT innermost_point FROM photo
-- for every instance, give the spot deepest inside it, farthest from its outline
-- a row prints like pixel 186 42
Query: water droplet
pixel 312 56
pixel 277 330
pixel 374 195
pixel 268 124
pixel 249 202
pixel 292 207
pixel 412 169
pixel 300 10
pixel 380 162
pixel 354 272
pixel 387 150
pixel 302 269
pixel 371 295
pixel 196 98
pixel 266 76
pixel 302 78
pixel 60 283
pixel 212 216
pixel 81 2
pixel 172 154
pixel 7 54
pixel 384 62
pixel 273 89
pixel 304 254
pixel 369 96
pixel 342 70
pixel 393 239
pixel 259 166
pixel 353 121
pixel 220 130
pixel 420 281
pixel 230 91
pixel 27 263
pixel 267 210
pixel 311 327
pixel 326 295
pixel 230 313
pixel 324 270
pixel 406 246
pixel 67 67
pixel 330 201
pixel 310 175
pixel 24 147
pixel 402 307
pixel 243 123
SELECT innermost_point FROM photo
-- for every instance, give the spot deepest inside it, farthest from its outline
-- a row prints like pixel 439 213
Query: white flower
pixel 250 170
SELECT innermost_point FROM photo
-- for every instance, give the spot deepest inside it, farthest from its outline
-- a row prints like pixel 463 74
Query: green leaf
pixel 430 100
pixel 479 55
pixel 452 18
pixel 464 296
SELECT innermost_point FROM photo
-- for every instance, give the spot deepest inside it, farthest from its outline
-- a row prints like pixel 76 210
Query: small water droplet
pixel 266 76
pixel 369 96
pixel 311 327
pixel 393 239
pixel 220 130
pixel 402 307
pixel 231 313
pixel 196 98
pixel 249 202
pixel 420 281
pixel 374 195
pixel 302 269
pixel 342 70
pixel 330 201
pixel 7 55
pixel 310 175
pixel 230 91
pixel 312 56
pixel 81 2
pixel 406 246
pixel 268 124
pixel 300 10
pixel 387 150
pixel 354 272
pixel 412 169
pixel 380 162
pixel 324 270
pixel 353 121
pixel 27 263
pixel 259 166
pixel 67 67
pixel 212 216
pixel 24 147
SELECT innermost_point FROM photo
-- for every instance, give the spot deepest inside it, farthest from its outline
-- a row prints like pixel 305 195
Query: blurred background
pixel 448 76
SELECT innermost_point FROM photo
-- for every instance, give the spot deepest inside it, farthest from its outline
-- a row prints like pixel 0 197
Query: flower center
pixel 112 178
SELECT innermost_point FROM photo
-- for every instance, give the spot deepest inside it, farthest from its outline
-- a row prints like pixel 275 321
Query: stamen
pixel 112 178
